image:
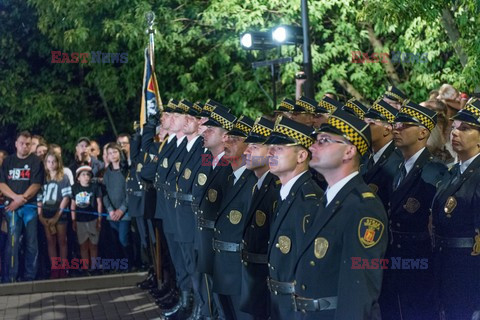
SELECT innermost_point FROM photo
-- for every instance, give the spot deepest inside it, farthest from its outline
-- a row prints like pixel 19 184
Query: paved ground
pixel 117 303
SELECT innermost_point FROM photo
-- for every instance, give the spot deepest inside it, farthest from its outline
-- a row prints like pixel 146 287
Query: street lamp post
pixel 307 55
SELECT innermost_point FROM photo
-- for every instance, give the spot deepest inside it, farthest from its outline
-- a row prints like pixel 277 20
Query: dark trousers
pixel 231 308
pixel 168 271
pixel 184 282
pixel 212 306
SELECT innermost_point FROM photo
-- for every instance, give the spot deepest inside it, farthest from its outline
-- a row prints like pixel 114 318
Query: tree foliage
pixel 198 56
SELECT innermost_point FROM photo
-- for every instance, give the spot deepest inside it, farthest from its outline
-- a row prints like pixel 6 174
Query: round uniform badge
pixel 212 195
pixel 235 216
pixel 450 205
pixel 320 247
pixel 260 218
pixel 412 205
pixel 284 244
pixel 187 174
pixel 202 178
pixel 165 163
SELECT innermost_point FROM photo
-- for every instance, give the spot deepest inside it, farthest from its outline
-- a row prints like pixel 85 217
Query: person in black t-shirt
pixel 52 201
pixel 86 213
pixel 21 176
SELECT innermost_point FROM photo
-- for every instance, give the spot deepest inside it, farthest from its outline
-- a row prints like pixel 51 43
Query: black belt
pixel 254 257
pixel 277 287
pixel 182 196
pixel 321 304
pixel 204 223
pixel 226 246
pixel 410 236
pixel 453 242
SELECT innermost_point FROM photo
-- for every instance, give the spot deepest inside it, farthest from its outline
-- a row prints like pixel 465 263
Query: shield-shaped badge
pixel 320 247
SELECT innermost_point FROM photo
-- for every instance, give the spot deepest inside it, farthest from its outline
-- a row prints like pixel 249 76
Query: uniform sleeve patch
pixel 370 231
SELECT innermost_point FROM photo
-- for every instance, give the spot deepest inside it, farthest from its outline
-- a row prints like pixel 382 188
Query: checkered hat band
pixel 472 109
pixel 307 106
pixel 330 107
pixel 395 96
pixel 351 133
pixel 299 137
pixel 423 118
pixel 183 106
pixel 286 105
pixel 223 122
pixel 355 109
pixel 243 127
pixel 197 107
pixel 387 114
pixel 208 108
pixel 172 105
pixel 261 130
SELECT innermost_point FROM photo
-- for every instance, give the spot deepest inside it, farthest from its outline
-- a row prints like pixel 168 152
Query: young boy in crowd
pixel 86 213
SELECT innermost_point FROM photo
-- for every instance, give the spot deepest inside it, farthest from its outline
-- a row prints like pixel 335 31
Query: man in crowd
pixel 21 177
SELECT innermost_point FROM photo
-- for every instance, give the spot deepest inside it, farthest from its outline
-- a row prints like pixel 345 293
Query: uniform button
pixel 398 224
pixel 312 263
pixel 245 264
pixel 399 246
pixel 268 264
pixel 252 226
pixel 277 245
pixel 294 282
pixel 303 287
pixel 214 229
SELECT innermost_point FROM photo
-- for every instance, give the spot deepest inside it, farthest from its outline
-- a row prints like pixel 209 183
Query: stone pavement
pixel 113 303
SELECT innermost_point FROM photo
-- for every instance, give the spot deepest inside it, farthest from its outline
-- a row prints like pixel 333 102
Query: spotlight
pixel 256 40
pixel 246 40
pixel 288 35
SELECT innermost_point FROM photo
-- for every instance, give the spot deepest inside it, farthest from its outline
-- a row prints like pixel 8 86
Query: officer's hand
pixel 154 119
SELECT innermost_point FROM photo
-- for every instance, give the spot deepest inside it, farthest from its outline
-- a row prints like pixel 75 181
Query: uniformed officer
pixel 304 111
pixel 394 97
pixel 295 208
pixel 456 222
pixel 155 171
pixel 255 297
pixel 348 226
pixel 218 124
pixel 230 223
pixel 355 108
pixel 324 109
pixel 408 293
pixel 379 168
pixel 285 108
pixel 161 260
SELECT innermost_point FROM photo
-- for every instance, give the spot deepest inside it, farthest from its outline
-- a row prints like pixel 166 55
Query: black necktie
pixel 370 162
pixel 402 174
pixel 455 174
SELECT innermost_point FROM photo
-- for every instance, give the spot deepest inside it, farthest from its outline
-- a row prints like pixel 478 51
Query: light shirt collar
pixel 464 165
pixel 285 189
pixel 191 143
pixel 333 190
pixel 410 162
pixel 379 153
pixel 179 141
pixel 170 137
pixel 261 179
pixel 217 159
pixel 238 173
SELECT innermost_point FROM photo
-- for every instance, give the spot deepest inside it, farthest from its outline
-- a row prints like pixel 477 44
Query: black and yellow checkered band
pixel 420 116
pixel 243 127
pixel 286 105
pixel 395 96
pixel 355 108
pixel 352 134
pixel 297 136
pixel 471 108
pixel 329 107
pixel 307 106
pixel 172 105
pixel 208 107
pixel 197 107
pixel 228 125
pixel 261 130
pixel 183 106
pixel 383 111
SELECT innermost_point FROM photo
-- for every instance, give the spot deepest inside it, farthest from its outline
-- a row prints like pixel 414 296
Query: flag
pixel 151 101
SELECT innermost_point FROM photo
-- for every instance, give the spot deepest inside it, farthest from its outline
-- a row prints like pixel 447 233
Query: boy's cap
pixel 82 169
